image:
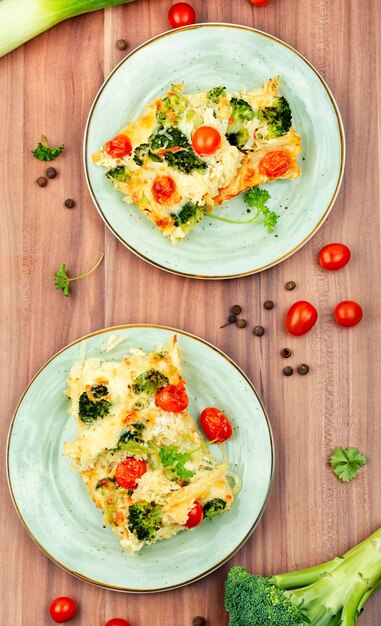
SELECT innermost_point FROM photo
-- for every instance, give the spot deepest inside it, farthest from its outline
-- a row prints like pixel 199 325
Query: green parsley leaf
pixel 256 198
pixel 175 461
pixel 62 280
pixel 44 152
pixel 346 463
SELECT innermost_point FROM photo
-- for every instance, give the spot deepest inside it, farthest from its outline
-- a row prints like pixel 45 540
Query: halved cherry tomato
pixel 117 621
pixel 206 140
pixel 215 424
pixel 62 609
pixel 173 398
pixel 163 188
pixel 334 256
pixel 300 318
pixel 195 516
pixel 181 14
pixel 348 313
pixel 275 163
pixel 259 3
pixel 119 147
pixel 128 471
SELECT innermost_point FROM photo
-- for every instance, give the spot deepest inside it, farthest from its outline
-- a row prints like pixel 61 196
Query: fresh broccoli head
pixel 241 111
pixel 213 507
pixel 277 117
pixel 189 215
pixel 215 94
pixel 330 594
pixel 119 173
pixel 148 383
pixel 93 404
pixel 144 519
pixel 239 138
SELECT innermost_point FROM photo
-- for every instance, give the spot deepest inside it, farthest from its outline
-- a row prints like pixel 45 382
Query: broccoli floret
pixel 158 148
pixel 168 138
pixel 93 404
pixel 149 382
pixel 190 214
pixel 133 433
pixel 215 94
pixel 329 594
pixel 239 138
pixel 185 160
pixel 140 152
pixel 241 111
pixel 144 519
pixel 277 117
pixel 213 507
pixel 170 110
pixel 119 173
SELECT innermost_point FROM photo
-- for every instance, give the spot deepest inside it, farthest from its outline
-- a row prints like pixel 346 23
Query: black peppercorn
pixel 231 320
pixel 290 285
pixel 288 371
pixel 259 331
pixel 42 181
pixel 236 309
pixel 121 44
pixel 303 369
pixel 198 621
pixel 269 304
pixel 286 352
pixel 69 203
pixel 51 172
pixel 241 323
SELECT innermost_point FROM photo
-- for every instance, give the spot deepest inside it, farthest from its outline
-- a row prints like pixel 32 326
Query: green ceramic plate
pixel 55 508
pixel 203 56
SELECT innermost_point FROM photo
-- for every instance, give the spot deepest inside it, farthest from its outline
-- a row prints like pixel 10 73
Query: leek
pixel 21 20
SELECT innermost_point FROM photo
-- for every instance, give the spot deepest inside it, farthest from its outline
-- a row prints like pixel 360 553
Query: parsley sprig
pixel 62 280
pixel 174 460
pixel 44 152
pixel 346 463
pixel 256 198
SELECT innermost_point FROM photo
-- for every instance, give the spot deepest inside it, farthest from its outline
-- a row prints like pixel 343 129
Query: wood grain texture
pixel 48 85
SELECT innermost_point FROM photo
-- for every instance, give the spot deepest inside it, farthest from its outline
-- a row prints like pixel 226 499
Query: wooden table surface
pixel 48 85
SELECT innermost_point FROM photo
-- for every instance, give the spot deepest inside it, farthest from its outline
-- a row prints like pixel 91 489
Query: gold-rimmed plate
pixel 52 501
pixel 239 57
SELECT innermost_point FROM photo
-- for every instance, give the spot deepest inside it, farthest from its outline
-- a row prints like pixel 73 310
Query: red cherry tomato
pixel 62 609
pixel 348 313
pixel 275 163
pixel 173 398
pixel 128 471
pixel 195 516
pixel 259 3
pixel 334 256
pixel 215 424
pixel 181 14
pixel 163 188
pixel 206 140
pixel 300 318
pixel 119 147
pixel 117 621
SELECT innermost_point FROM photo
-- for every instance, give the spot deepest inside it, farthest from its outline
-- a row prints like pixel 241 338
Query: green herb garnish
pixel 256 198
pixel 62 280
pixel 346 463
pixel 44 152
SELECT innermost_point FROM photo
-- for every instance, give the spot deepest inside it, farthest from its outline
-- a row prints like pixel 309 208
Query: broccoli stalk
pixel 330 594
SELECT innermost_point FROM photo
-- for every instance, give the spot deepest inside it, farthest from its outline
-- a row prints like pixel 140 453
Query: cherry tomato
pixel 259 3
pixel 275 163
pixel 181 14
pixel 348 313
pixel 195 516
pixel 163 188
pixel 119 147
pixel 206 140
pixel 215 424
pixel 173 398
pixel 62 609
pixel 300 318
pixel 334 256
pixel 117 621
pixel 128 471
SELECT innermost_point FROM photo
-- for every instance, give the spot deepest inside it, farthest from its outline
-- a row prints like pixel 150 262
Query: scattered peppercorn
pixel 51 172
pixel 231 320
pixel 69 203
pixel 290 285
pixel 286 352
pixel 236 309
pixel 42 181
pixel 288 371
pixel 241 323
pixel 303 369
pixel 269 304
pixel 198 621
pixel 121 44
pixel 259 331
